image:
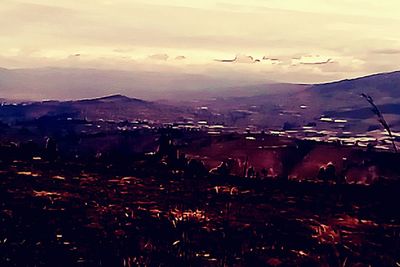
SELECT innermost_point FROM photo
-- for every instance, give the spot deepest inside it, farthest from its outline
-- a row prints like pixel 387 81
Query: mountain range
pixel 270 105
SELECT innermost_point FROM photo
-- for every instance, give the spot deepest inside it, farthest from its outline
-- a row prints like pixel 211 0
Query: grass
pixel 380 117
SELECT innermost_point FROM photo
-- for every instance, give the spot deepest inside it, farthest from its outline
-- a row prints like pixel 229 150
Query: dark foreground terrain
pixel 155 209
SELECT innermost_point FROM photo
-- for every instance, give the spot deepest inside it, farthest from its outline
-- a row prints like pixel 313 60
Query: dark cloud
pixel 271 59
pixel 311 60
pixel 239 59
pixel 329 60
pixel 180 58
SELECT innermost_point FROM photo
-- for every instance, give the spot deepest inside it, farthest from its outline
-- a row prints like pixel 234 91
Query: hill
pixel 270 105
pixel 305 104
pixel 113 107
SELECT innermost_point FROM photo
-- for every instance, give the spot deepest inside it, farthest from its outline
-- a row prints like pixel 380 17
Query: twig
pixel 381 119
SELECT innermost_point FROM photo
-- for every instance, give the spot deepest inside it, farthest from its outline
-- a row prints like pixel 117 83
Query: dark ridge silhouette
pixel 114 98
pixel 389 82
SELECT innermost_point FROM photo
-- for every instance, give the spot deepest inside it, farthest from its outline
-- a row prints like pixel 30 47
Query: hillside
pixel 263 106
pixel 304 104
pixel 113 107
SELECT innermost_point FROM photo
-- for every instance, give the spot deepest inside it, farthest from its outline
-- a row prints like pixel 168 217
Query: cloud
pixel 311 60
pixel 272 61
pixel 107 37
pixel 124 50
pixel 180 58
pixel 329 60
pixel 73 57
pixel 387 51
pixel 239 59
pixel 160 57
pixel 165 57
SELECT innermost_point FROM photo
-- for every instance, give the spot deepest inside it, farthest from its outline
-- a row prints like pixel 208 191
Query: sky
pixel 303 41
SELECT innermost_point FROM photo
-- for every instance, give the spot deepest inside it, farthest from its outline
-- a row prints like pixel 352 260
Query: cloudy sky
pixel 281 40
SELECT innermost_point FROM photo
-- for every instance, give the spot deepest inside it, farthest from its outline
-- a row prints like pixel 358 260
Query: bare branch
pixel 380 117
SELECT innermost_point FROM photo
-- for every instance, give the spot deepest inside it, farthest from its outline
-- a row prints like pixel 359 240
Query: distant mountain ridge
pixel 114 98
pixel 76 83
pixel 264 105
pixel 389 83
pixel 110 107
pixel 306 104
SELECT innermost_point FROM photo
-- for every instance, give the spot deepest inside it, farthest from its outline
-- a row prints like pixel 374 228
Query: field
pixel 75 213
